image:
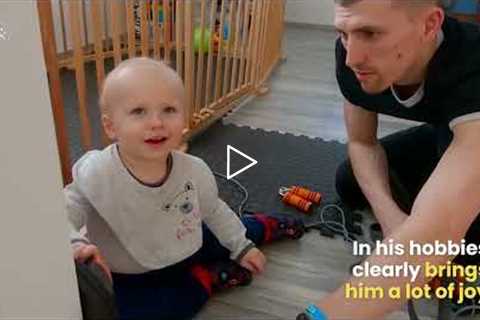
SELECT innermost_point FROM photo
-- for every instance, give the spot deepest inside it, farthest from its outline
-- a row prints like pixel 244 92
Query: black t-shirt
pixel 451 88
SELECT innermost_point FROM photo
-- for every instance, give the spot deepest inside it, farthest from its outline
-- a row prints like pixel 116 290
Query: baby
pixel 154 221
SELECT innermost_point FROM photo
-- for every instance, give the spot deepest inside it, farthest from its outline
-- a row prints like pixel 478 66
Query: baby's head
pixel 143 109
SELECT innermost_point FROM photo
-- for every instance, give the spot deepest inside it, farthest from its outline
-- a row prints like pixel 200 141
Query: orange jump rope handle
pixel 309 195
pixel 296 201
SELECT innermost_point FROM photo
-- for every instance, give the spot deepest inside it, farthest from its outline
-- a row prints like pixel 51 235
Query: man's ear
pixel 108 126
pixel 433 22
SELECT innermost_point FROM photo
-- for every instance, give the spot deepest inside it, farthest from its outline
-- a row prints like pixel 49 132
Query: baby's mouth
pixel 155 141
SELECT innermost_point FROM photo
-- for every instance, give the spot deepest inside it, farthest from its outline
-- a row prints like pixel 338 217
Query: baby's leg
pixel 212 250
pixel 261 229
pixel 175 294
pixel 265 228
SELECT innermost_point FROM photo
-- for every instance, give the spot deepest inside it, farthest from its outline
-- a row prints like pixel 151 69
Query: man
pixel 407 59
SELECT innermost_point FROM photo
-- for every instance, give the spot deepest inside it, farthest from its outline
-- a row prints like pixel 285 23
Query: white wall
pixel 37 279
pixel 319 12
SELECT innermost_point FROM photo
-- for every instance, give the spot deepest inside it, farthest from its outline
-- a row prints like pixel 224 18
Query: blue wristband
pixel 314 313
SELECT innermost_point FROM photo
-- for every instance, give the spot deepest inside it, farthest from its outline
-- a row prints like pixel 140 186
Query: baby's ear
pixel 108 126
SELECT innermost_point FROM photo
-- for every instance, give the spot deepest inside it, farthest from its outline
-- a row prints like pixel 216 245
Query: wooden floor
pixel 304 99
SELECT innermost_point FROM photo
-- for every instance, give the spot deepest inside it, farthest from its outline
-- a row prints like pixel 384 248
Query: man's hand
pixel 89 253
pixel 254 261
pixel 395 218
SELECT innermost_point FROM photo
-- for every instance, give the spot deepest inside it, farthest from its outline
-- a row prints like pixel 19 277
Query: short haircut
pixel 439 3
pixel 140 62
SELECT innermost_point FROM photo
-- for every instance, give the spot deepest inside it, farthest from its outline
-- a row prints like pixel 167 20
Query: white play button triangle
pixel 252 162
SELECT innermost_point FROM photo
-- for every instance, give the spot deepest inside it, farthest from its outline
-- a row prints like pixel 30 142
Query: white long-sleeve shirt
pixel 140 228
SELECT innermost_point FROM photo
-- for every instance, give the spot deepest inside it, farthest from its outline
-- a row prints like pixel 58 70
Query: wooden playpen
pixel 223 49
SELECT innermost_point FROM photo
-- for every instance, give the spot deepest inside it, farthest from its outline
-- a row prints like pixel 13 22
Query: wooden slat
pixel 278 26
pixel 282 27
pixel 179 36
pixel 130 28
pixel 218 77
pixel 74 12
pixel 251 40
pixel 253 53
pixel 50 54
pixel 245 41
pixel 256 42
pixel 144 39
pixel 259 66
pixel 208 94
pixel 95 11
pixel 275 61
pixel 199 92
pixel 259 46
pixel 108 26
pixel 156 29
pixel 62 25
pixel 84 19
pixel 115 16
pixel 273 42
pixel 167 31
pixel 236 48
pixel 189 62
pixel 228 52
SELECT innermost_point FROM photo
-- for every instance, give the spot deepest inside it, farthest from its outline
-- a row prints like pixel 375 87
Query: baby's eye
pixel 138 111
pixel 170 109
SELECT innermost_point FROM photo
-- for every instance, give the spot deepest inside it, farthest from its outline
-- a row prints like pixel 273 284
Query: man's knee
pixel 343 177
pixel 347 187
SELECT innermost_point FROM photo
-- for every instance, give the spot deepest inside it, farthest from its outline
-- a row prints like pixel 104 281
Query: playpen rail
pixel 228 51
pixel 199 93
pixel 224 51
pixel 56 97
pixel 130 28
pixel 78 64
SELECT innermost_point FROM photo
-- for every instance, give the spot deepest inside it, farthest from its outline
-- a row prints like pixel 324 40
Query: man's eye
pixel 343 36
pixel 138 111
pixel 370 35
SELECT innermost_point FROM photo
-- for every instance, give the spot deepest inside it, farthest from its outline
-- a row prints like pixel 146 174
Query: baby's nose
pixel 156 120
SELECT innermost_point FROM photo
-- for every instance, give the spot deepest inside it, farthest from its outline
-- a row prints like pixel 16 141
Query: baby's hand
pixel 254 261
pixel 89 253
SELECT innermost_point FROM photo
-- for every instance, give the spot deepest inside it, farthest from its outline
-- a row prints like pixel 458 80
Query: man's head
pixel 142 103
pixel 406 2
pixel 388 41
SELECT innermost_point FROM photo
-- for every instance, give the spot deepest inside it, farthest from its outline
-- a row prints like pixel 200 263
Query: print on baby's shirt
pixel 184 203
pixel 182 200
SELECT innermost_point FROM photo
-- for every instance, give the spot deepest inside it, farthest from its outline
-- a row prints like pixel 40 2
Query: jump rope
pixel 334 226
pixel 340 228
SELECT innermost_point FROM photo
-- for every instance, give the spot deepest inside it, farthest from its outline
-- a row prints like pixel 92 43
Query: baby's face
pixel 145 114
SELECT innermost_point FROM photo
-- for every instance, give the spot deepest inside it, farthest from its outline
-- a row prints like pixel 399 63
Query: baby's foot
pixel 228 274
pixel 280 226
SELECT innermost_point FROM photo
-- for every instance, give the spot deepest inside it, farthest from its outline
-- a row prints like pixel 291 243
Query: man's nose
pixel 356 53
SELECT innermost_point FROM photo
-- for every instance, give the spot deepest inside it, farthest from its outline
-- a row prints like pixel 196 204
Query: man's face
pixel 381 40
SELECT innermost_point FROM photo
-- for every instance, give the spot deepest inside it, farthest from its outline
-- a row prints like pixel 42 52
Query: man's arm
pixel 369 164
pixel 444 209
